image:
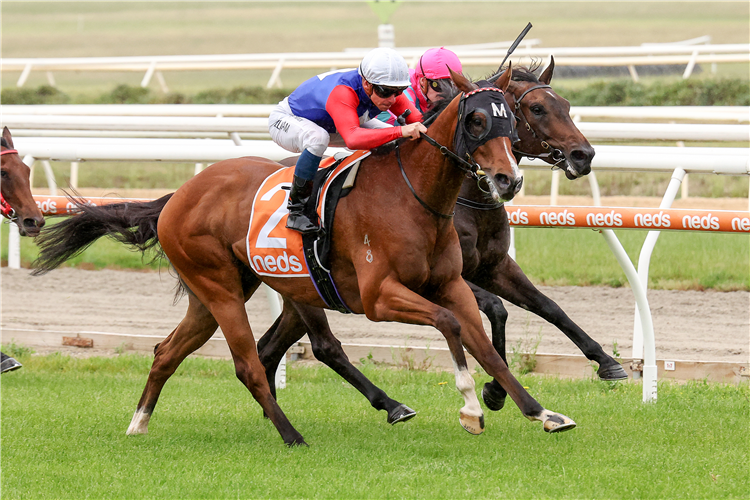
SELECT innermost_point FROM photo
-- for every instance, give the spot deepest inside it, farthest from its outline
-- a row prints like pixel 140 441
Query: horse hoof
pixel 401 413
pixel 472 424
pixel 300 441
pixel 557 422
pixel 491 399
pixel 613 372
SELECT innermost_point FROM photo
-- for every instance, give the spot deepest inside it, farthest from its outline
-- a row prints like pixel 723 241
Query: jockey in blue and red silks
pixel 429 81
pixel 340 108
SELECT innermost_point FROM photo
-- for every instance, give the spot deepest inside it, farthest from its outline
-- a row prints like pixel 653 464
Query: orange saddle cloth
pixel 272 249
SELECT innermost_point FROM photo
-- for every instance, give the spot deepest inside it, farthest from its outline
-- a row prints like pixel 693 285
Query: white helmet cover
pixel 384 66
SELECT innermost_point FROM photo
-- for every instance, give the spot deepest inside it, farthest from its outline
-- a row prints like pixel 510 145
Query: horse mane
pixel 427 118
pixel 430 115
pixel 522 73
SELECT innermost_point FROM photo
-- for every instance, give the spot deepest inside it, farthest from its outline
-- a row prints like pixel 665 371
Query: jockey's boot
pixel 299 218
pixel 8 364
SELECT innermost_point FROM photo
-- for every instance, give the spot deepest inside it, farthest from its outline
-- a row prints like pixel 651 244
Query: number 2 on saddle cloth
pixel 274 250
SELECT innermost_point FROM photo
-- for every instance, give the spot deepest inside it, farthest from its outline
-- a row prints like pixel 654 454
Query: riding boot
pixel 301 217
pixel 8 364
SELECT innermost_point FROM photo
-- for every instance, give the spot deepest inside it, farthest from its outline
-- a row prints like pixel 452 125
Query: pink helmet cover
pixel 434 63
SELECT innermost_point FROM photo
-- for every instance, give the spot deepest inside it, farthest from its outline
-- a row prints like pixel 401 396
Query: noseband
pixel 5 209
pixel 555 154
pixel 467 165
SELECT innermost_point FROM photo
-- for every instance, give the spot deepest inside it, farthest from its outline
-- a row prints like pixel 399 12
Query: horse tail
pixel 132 223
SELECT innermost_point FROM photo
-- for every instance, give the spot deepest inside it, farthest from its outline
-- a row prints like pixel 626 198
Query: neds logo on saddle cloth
pixel 272 249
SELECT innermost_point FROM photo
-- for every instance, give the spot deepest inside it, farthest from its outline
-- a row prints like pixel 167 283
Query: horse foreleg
pixel 511 283
pixel 490 304
pixel 457 297
pixel 192 332
pixel 392 301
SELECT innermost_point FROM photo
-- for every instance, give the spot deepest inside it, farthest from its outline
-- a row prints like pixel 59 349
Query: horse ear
pixel 504 80
pixel 7 137
pixel 547 73
pixel 462 83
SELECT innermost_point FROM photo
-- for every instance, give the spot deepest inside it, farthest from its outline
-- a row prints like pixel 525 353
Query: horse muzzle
pixel 578 162
pixel 504 188
pixel 30 226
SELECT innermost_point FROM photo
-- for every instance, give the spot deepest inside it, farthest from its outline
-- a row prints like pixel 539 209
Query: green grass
pixel 85 29
pixel 64 421
pixel 680 260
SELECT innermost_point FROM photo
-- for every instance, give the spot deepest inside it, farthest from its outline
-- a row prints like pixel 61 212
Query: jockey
pixel 429 80
pixel 340 107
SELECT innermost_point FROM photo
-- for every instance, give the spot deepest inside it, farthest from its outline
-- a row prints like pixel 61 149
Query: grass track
pixel 63 423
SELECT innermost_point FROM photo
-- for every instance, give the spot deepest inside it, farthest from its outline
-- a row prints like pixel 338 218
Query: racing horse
pixel 546 132
pixel 385 265
pixel 16 202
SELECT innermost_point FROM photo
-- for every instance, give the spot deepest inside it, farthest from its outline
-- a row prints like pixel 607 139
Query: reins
pixel 469 166
pixel 5 209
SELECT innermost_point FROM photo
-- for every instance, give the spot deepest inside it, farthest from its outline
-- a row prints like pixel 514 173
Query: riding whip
pixel 510 51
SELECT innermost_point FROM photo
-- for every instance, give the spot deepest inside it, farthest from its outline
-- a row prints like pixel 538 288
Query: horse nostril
pixel 502 181
pixel 519 183
pixel 578 155
pixel 31 223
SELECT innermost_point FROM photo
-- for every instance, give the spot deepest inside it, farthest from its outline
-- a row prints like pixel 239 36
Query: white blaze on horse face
pixel 139 424
pixel 511 159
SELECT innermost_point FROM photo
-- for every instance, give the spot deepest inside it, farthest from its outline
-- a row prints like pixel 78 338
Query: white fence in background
pixel 688 53
pixel 34 124
pixel 740 114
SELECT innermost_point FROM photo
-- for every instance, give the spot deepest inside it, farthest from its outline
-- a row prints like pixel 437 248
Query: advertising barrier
pixel 663 219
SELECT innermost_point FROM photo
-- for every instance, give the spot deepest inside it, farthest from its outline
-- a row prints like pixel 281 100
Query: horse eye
pixel 537 109
pixel 4 174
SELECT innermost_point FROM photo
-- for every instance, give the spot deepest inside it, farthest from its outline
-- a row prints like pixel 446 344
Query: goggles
pixel 386 92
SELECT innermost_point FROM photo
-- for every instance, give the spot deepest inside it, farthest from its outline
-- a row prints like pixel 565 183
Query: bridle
pixel 5 209
pixel 467 165
pixel 555 154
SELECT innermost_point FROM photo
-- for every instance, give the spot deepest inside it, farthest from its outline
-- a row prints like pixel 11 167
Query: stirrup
pixel 301 223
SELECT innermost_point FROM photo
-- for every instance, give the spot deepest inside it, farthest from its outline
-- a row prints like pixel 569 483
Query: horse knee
pixel 327 351
pixel 495 311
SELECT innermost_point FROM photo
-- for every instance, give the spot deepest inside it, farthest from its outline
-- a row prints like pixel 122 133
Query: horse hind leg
pixel 327 349
pixel 193 331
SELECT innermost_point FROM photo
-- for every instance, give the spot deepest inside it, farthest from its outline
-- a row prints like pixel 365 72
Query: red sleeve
pixel 342 106
pixel 402 104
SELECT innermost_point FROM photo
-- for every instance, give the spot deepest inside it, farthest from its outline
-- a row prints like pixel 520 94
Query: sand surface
pixel 689 325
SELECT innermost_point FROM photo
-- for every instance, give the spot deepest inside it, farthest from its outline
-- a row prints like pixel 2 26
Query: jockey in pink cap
pixel 429 80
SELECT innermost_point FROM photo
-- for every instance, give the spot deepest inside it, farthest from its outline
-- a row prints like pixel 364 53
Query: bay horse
pixel 545 131
pixel 16 201
pixel 386 265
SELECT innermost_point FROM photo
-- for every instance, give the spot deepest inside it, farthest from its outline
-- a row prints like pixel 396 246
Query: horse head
pixel 545 129
pixel 485 132
pixel 18 204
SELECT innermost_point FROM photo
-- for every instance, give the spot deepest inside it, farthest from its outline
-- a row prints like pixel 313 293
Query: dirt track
pixel 700 326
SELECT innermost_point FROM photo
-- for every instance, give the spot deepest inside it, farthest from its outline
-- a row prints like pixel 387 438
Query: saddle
pixel 333 181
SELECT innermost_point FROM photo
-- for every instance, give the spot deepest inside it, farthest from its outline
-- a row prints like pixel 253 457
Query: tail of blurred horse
pixel 133 224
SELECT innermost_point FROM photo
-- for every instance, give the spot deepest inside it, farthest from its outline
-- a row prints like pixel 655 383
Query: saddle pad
pixel 272 249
